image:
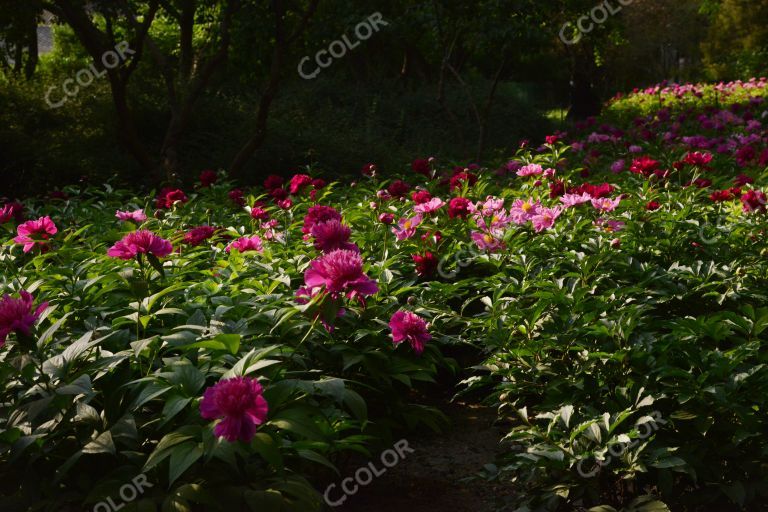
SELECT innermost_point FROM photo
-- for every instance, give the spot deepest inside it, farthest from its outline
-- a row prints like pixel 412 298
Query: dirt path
pixel 428 480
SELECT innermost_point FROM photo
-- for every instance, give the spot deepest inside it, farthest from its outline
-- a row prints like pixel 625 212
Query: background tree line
pixel 214 83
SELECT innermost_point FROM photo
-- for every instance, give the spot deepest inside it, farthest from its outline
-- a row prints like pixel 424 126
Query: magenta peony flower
pixel 299 182
pixel 340 272
pixel 753 201
pixel 458 207
pixel 208 178
pixel 239 403
pixel 13 211
pixel 421 196
pixel 168 197
pixel 387 218
pixel 409 326
pixel 35 232
pixel 140 242
pixel 331 235
pixel 198 235
pixel 6 214
pixel 18 315
pixel 246 244
pixel 319 213
pixel 137 216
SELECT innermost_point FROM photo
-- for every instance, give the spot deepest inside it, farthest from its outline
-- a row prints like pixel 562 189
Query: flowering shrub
pixel 238 344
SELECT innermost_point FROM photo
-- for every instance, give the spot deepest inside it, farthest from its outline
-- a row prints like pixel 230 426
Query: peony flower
pixel 530 170
pixel 259 213
pixel 406 227
pixel 339 272
pixel 137 216
pixel 752 201
pixel 319 213
pixel 35 232
pixel 237 196
pixel 608 225
pixel 273 181
pixel 319 183
pixel 618 166
pixel 421 196
pixel 18 315
pixel 486 242
pixel 458 207
pixel 208 178
pixel 409 326
pixel 198 235
pixel 421 166
pixel 387 218
pixel 523 211
pixel 570 200
pixel 246 244
pixel 458 180
pixel 239 403
pixel 285 204
pixel 140 242
pixel 6 214
pixel 331 235
pixel 369 170
pixel 652 206
pixel 606 204
pixel 398 189
pixel 430 206
pixel 168 197
pixel 298 183
pixel 426 264
pixel 545 218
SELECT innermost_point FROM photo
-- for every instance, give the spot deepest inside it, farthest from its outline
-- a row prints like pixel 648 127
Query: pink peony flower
pixel 18 315
pixel 430 206
pixel 606 204
pixel 545 218
pixel 140 242
pixel 137 216
pixel 570 200
pixel 339 272
pixel 409 326
pixel 523 211
pixel 246 244
pixel 530 170
pixel 239 403
pixel 198 235
pixel 331 235
pixel 486 242
pixel 35 232
pixel 406 227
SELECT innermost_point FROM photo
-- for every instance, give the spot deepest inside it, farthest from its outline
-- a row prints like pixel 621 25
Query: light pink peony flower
pixel 239 403
pixel 409 326
pixel 609 226
pixel 137 216
pixel 339 272
pixel 523 211
pixel 246 244
pixel 35 232
pixel 486 242
pixel 570 200
pixel 606 204
pixel 430 206
pixel 545 218
pixel 406 227
pixel 140 242
pixel 18 315
pixel 530 170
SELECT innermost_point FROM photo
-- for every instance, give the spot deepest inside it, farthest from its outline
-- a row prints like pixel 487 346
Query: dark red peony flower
pixel 398 188
pixel 459 207
pixel 426 264
pixel 208 178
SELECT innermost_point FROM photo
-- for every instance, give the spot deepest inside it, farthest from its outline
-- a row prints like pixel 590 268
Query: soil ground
pixel 430 479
